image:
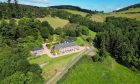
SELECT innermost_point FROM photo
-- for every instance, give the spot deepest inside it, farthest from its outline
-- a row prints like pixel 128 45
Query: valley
pixel 68 44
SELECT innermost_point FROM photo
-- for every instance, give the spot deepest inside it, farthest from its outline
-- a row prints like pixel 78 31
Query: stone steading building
pixel 64 47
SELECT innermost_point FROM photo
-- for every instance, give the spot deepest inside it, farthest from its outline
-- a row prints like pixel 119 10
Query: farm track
pixel 65 69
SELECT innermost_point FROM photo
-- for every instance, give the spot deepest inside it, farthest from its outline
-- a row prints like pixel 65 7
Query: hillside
pixel 108 72
pixel 102 17
pixel 132 12
pixel 76 12
pixel 73 8
pixel 38 43
pixel 129 7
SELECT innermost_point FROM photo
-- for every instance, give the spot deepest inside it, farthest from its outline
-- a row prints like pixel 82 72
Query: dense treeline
pixel 13 10
pixel 74 8
pixel 15 68
pixel 120 37
pixel 25 30
pixel 16 39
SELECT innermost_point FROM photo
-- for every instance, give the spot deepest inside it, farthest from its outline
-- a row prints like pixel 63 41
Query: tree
pixel 120 37
pixel 83 29
pixel 45 32
pixel 1 15
pixel 47 25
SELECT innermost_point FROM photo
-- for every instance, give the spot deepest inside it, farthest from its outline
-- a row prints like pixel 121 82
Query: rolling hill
pixel 73 8
pixel 132 12
pixel 129 7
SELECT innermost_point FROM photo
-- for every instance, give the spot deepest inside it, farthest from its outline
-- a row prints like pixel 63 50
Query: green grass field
pixel 53 64
pixel 55 22
pixel 76 12
pixel 108 72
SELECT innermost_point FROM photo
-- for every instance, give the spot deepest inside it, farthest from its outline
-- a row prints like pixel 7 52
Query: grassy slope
pixel 55 22
pixel 109 72
pixel 53 64
pixel 131 10
pixel 76 12
pixel 101 17
pixel 81 40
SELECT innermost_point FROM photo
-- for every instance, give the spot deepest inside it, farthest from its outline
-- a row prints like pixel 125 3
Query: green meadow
pixel 108 72
pixel 55 22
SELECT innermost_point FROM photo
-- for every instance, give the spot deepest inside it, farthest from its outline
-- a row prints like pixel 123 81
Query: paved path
pixel 65 69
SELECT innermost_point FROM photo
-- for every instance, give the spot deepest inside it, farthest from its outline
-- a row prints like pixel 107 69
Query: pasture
pixel 55 22
pixel 108 72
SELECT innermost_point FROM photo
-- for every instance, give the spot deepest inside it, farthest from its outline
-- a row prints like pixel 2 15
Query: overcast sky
pixel 100 5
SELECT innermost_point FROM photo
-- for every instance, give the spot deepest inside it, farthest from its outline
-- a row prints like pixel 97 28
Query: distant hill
pixel 129 7
pixel 132 12
pixel 73 8
pixel 7 11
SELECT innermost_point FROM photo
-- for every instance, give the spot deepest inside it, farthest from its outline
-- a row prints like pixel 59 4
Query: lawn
pixel 53 64
pixel 39 60
pixel 55 22
pixel 76 12
pixel 108 72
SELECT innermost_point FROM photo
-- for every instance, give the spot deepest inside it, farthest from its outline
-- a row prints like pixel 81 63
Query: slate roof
pixel 67 41
pixel 64 44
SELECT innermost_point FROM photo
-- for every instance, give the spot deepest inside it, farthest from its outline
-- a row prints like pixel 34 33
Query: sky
pixel 100 5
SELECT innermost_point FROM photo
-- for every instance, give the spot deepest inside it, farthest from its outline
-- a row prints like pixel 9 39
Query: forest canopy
pixel 121 38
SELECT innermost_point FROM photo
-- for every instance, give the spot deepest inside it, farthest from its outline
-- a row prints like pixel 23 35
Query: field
pixel 132 16
pixel 108 72
pixel 131 10
pixel 55 22
pixel 51 65
pixel 101 17
pixel 76 12
pixel 127 14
